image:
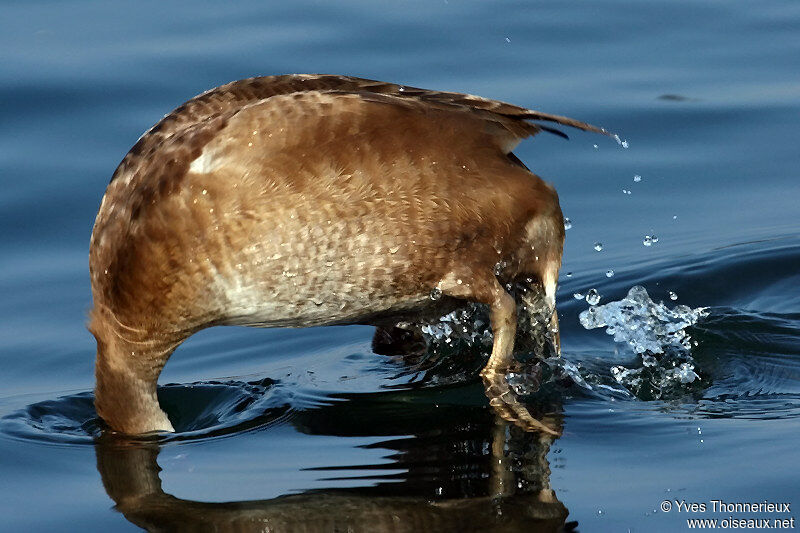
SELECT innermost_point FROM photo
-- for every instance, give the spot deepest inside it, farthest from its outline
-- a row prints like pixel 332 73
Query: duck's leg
pixel 503 317
pixel 555 332
pixel 539 322
pixel 549 283
pixel 501 397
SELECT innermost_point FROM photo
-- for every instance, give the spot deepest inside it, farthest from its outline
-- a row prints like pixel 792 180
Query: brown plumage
pixel 307 200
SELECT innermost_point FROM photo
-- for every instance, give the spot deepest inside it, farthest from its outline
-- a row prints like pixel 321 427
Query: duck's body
pixel 311 200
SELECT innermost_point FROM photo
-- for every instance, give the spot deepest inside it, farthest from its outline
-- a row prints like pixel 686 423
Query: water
pixel 309 427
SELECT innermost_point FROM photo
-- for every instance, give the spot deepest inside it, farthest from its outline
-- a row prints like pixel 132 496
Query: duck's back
pixel 304 200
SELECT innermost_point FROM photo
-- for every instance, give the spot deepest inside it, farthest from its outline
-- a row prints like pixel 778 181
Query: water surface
pixel 309 428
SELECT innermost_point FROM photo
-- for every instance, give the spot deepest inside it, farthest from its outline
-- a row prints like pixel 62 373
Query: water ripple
pixel 198 411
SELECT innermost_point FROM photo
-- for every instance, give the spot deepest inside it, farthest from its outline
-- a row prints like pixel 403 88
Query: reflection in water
pixel 464 470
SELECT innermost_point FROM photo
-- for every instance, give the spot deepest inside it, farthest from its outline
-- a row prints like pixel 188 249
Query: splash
pixel 458 343
pixel 464 327
pixel 658 335
pixel 646 326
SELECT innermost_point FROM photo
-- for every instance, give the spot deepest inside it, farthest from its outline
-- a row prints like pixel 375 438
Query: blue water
pixel 308 425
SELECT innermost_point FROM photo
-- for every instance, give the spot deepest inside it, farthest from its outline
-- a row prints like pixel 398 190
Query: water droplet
pixel 598 246
pixel 567 223
pixel 637 178
pixel 621 142
pixel 569 274
pixel 578 296
pixel 648 240
pixel 626 191
pixel 593 297
pixel 674 217
pixel 673 296
pixel 655 239
pixel 499 267
pixel 609 273
pixel 436 293
pixel 595 147
pixel 508 40
pixel 394 250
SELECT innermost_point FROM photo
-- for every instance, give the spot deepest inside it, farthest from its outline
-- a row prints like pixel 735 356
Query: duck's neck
pixel 127 369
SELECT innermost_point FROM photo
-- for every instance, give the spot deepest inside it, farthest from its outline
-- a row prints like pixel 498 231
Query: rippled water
pixel 309 428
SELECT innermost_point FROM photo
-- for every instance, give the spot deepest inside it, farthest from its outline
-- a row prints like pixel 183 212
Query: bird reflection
pixel 463 469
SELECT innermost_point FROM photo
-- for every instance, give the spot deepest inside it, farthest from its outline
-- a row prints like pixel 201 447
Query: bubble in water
pixel 673 296
pixel 577 296
pixel 598 246
pixel 436 293
pixel 637 178
pixel 609 273
pixel 567 223
pixel 684 373
pixel 593 297
pixel 648 240
pixel 620 373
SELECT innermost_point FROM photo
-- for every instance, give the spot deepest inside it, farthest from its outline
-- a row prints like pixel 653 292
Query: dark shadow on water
pixel 453 465
pixel 463 470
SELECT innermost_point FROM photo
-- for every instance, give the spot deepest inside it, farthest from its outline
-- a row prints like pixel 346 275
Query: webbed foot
pixel 507 405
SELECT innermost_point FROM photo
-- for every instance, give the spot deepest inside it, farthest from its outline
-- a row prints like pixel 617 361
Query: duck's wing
pixel 230 97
